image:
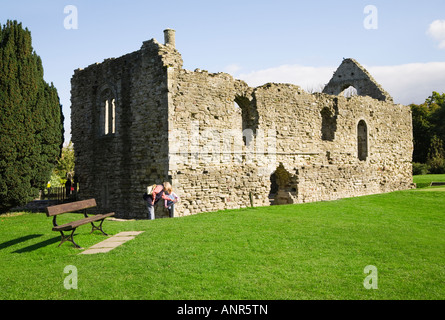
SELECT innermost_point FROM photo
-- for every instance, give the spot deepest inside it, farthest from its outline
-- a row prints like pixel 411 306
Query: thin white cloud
pixel 436 31
pixel 411 83
pixel 408 83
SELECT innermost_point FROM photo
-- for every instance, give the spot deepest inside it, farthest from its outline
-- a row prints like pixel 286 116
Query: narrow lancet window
pixel 107 117
pixel 362 140
pixel 113 116
pixel 106 125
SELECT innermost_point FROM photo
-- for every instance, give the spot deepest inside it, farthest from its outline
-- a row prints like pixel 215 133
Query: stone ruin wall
pixel 319 165
pixel 183 126
pixel 115 167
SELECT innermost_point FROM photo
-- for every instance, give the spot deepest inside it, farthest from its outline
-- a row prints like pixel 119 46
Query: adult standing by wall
pixel 158 193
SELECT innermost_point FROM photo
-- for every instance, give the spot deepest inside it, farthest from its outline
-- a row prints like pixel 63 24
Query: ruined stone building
pixel 142 119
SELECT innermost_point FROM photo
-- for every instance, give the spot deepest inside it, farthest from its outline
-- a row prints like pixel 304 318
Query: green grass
pixel 423 181
pixel 308 251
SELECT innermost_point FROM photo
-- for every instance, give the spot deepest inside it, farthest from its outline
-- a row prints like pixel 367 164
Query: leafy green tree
pixel 422 132
pixel 31 119
pixel 428 121
pixel 437 116
pixel 436 156
pixel 65 165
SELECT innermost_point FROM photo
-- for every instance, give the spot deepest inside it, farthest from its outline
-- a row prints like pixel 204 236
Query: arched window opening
pixel 113 116
pixel 362 140
pixel 107 113
pixel 106 117
pixel 249 118
pixel 349 92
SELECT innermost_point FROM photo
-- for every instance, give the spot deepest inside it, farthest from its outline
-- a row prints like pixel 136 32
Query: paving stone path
pixel 113 242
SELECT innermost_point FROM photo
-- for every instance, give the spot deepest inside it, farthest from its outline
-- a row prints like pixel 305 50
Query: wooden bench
pixel 75 207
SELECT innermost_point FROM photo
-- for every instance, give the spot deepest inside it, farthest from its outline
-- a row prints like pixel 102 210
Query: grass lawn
pixel 423 181
pixel 307 251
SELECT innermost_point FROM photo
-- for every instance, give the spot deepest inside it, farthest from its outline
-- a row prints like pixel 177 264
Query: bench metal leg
pixel 69 238
pixel 98 227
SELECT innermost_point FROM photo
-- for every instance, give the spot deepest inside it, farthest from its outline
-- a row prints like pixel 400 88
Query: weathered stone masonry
pixel 142 119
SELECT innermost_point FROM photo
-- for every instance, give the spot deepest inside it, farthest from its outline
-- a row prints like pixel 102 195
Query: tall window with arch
pixel 249 119
pixel 362 140
pixel 107 113
pixel 349 91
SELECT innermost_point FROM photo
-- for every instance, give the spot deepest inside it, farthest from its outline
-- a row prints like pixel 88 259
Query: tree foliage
pixel 31 119
pixel 429 131
pixel 65 166
pixel 436 154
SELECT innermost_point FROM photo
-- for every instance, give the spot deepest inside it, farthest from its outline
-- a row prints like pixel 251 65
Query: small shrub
pixel 420 168
pixel 436 165
pixel 436 156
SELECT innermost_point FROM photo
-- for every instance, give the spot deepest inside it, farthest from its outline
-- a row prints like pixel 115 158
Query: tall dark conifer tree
pixel 31 119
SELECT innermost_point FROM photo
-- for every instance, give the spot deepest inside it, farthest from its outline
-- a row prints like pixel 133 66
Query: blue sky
pixel 300 42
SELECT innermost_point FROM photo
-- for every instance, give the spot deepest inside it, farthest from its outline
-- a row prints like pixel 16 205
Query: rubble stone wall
pixel 314 137
pixel 115 167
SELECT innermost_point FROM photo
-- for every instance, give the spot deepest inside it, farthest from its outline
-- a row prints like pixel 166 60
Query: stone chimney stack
pixel 169 37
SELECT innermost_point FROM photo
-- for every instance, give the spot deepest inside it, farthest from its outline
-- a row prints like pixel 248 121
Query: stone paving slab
pixel 99 250
pixel 105 244
pixel 118 239
pixel 128 233
pixel 111 243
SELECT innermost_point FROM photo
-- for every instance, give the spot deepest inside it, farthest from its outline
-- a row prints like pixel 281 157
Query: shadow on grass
pixel 19 240
pixel 38 245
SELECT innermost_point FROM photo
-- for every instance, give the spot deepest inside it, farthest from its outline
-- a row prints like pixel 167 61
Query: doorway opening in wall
pixel 273 188
pixel 283 186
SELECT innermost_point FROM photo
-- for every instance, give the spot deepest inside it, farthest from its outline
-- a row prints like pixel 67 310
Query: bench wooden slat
pixel 75 224
pixel 70 207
